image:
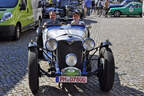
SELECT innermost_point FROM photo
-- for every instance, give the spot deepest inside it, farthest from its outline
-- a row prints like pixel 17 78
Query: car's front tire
pixel 33 71
pixel 141 15
pixel 106 66
pixel 17 32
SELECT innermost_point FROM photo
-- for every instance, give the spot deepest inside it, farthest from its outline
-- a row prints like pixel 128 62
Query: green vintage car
pixel 132 8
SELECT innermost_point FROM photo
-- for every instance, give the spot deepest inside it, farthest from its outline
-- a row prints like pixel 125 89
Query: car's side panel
pixel 30 12
pixel 123 10
pixel 129 10
pixel 26 16
pixel 132 8
pixel 138 9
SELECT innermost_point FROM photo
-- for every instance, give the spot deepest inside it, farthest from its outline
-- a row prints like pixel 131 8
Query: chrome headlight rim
pixel 86 47
pixel 47 44
pixel 73 57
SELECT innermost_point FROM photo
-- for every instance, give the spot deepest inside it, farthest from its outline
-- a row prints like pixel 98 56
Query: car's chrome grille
pixel 65 48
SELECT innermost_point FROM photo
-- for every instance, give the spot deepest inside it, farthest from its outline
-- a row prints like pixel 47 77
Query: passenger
pixel 76 19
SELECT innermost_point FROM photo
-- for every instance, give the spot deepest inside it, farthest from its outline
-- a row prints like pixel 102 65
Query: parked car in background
pixel 132 8
pixel 123 3
pixel 17 16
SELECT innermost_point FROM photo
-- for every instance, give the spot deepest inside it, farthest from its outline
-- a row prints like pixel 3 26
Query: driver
pixel 52 18
pixel 76 19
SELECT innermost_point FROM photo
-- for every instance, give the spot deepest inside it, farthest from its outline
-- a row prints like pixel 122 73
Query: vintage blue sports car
pixel 67 49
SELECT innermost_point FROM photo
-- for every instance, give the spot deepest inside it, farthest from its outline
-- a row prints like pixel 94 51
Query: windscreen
pixel 8 3
pixel 80 27
pixel 63 31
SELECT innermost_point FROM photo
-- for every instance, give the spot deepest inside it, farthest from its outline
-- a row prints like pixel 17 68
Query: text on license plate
pixel 71 79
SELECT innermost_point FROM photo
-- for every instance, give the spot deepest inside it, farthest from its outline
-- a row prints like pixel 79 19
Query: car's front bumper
pixel 7 30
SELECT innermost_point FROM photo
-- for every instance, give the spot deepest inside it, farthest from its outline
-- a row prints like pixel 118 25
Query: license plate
pixel 71 79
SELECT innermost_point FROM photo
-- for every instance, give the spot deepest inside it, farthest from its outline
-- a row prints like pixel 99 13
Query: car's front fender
pixel 32 44
pixel 107 43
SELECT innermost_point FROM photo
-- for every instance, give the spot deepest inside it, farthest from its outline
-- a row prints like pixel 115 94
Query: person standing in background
pixel 106 7
pixel 50 2
pixel 100 8
pixel 84 8
pixel 93 6
pixel 96 2
pixel 58 3
pixel 42 3
pixel 54 2
pixel 88 5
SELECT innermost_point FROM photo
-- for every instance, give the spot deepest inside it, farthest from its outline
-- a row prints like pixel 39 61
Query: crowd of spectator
pixel 88 6
pixel 93 6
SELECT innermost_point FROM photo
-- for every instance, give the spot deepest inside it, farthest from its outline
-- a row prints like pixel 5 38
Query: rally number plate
pixel 71 79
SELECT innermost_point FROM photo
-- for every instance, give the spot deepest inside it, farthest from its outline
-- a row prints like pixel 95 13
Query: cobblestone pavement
pixel 126 35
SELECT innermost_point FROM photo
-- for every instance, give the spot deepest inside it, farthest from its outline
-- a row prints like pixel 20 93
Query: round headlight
pixel 51 44
pixel 88 44
pixel 71 59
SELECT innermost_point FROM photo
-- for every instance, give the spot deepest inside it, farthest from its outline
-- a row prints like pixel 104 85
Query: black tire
pixel 33 70
pixel 141 15
pixel 107 69
pixel 117 14
pixel 17 32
